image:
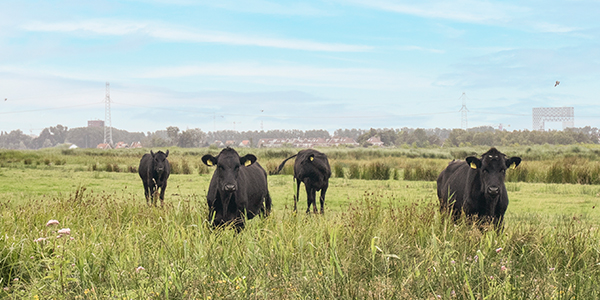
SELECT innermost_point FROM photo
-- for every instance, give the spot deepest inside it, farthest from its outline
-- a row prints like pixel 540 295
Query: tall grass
pixel 374 249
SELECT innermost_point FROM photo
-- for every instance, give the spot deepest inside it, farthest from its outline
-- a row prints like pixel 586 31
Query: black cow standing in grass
pixel 238 188
pixel 476 186
pixel 154 170
pixel 312 168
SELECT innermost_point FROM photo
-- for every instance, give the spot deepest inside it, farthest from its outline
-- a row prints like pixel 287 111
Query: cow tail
pixel 283 163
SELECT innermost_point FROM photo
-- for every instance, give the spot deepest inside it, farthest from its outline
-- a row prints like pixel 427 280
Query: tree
pixel 173 134
pixel 191 138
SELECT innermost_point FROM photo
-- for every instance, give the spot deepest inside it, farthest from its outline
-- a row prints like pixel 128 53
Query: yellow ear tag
pixel 247 163
pixel 513 166
pixel 473 166
pixel 312 158
pixel 209 162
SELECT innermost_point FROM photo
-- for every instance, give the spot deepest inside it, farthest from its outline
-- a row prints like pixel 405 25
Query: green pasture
pixel 378 239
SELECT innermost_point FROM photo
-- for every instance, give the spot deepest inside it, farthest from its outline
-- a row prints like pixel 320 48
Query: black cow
pixel 238 188
pixel 154 170
pixel 312 168
pixel 476 186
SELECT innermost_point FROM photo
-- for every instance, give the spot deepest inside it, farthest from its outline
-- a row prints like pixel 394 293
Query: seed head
pixel 52 222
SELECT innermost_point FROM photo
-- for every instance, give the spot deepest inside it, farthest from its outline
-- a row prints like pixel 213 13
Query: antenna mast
pixel 107 134
pixel 463 112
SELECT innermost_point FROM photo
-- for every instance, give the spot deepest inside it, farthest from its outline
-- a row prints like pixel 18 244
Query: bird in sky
pixel 557 83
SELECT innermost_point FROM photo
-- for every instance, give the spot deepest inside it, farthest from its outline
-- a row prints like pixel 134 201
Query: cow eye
pixel 485 171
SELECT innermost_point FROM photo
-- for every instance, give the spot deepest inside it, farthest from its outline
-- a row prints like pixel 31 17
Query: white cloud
pixel 296 75
pixel 419 48
pixel 468 11
pixel 553 28
pixel 164 32
pixel 254 6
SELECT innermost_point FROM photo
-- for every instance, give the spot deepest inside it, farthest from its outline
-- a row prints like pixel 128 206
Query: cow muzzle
pixel 229 188
pixel 493 191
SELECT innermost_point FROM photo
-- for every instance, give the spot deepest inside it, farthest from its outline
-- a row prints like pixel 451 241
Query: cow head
pixel 228 164
pixel 159 161
pixel 491 169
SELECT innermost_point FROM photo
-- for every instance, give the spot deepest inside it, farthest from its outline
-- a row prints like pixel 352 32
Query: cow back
pixel 317 170
pixel 145 167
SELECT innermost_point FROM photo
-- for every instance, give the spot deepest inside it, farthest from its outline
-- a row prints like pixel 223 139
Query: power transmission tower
pixel 107 133
pixel 463 112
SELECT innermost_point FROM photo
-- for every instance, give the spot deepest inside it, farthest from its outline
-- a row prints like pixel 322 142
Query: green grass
pixel 377 239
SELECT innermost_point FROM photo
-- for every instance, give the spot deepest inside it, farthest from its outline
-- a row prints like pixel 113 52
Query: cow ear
pixel 248 160
pixel 473 162
pixel 209 160
pixel 513 162
pixel 151 153
pixel 311 157
pixel 167 154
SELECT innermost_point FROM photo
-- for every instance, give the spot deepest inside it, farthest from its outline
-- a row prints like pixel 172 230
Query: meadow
pixel 378 239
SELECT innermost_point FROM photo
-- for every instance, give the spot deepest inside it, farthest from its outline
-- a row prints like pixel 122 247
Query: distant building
pixel 244 144
pixel 95 123
pixel 136 145
pixel 375 141
pixel 121 145
pixel 306 143
pixel 104 146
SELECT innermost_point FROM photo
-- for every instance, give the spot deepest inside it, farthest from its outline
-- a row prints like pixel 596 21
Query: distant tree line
pixel 482 136
pixel 90 137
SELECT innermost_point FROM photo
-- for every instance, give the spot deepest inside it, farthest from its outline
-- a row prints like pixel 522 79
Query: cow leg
pixel 268 204
pixel 309 199
pixel 311 194
pixel 322 199
pixel 152 193
pixel 162 193
pixel 147 192
pixel 297 196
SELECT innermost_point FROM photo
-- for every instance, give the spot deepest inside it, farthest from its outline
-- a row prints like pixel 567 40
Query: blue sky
pixel 331 64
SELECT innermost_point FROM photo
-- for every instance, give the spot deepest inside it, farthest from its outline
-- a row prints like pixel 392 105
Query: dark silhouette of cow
pixel 312 168
pixel 476 186
pixel 154 170
pixel 238 188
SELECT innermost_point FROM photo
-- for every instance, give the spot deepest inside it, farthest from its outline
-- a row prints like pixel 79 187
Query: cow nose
pixel 493 190
pixel 230 187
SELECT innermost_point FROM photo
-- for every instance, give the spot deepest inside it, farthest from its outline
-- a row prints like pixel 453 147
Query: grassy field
pixel 378 239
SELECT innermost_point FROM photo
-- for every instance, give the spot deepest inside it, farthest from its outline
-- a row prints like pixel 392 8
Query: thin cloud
pixel 473 11
pixel 553 28
pixel 466 11
pixel 253 6
pixel 362 78
pixel 121 28
pixel 418 48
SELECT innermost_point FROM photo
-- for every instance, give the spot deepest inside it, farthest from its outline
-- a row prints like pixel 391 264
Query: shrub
pixel 175 167
pixel 354 171
pixel 203 169
pixel 377 171
pixel 185 167
pixel 338 170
